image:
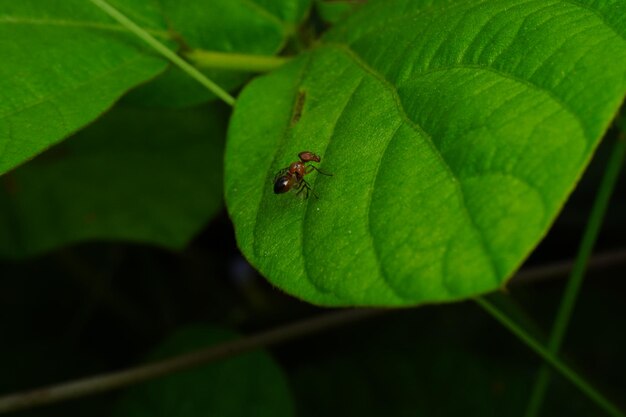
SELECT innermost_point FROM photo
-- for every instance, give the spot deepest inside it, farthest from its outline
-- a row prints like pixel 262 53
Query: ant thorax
pixel 298 169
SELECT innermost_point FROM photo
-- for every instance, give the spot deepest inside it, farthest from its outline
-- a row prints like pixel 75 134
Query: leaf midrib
pixel 383 275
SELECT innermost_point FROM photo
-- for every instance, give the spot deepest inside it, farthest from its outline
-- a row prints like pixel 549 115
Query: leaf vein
pixel 385 279
pixel 530 84
pixel 598 15
pixel 418 129
pixel 309 206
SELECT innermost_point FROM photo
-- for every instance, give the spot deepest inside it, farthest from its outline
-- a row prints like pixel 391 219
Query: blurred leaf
pixel 455 132
pixel 258 27
pixel 136 174
pixel 64 62
pixel 246 385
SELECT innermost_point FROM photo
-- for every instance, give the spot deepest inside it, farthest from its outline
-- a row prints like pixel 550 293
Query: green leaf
pixel 249 384
pixel 242 26
pixel 64 62
pixel 136 174
pixel 333 11
pixel 455 132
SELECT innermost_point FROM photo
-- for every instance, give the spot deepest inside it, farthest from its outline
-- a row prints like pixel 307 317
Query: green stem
pixel 576 278
pixel 165 51
pixel 237 62
pixel 549 357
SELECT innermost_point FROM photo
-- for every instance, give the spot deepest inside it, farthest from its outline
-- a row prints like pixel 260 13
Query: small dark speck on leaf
pixel 297 110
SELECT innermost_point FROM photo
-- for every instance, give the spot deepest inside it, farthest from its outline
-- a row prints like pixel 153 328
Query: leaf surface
pixel 139 175
pixel 249 384
pixel 64 62
pixel 455 131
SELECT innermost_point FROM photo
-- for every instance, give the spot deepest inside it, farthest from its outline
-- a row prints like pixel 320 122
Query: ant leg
pixel 280 174
pixel 305 186
pixel 310 169
pixel 300 187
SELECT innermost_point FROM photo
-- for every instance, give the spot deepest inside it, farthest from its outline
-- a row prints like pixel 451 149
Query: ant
pixel 293 175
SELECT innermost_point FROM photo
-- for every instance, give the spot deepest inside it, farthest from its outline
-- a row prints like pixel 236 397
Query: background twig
pixel 115 380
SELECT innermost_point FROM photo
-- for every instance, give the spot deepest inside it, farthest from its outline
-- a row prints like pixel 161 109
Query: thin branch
pixel 114 380
pixel 560 269
pixel 234 62
pixel 578 272
pixel 551 359
pixel 165 51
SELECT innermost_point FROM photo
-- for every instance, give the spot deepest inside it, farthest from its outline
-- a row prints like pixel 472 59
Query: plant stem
pixel 105 382
pixel 113 380
pixel 561 269
pixel 165 51
pixel 549 357
pixel 576 278
pixel 232 61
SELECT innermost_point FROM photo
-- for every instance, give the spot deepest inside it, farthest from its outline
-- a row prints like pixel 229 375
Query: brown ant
pixel 292 177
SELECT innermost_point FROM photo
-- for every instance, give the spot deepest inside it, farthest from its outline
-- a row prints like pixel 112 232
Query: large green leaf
pixel 455 131
pixel 64 62
pixel 240 26
pixel 246 385
pixel 141 175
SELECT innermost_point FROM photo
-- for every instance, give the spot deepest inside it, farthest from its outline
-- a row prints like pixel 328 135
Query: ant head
pixel 307 156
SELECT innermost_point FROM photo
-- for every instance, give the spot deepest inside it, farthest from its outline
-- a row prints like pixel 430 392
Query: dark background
pixel 101 306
